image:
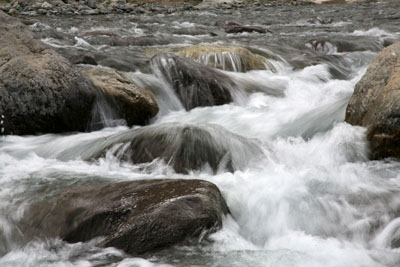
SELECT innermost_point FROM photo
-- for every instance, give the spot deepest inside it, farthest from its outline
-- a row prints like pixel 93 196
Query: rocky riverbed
pixel 199 134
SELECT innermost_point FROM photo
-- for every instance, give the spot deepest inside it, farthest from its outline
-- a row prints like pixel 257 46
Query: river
pixel 312 200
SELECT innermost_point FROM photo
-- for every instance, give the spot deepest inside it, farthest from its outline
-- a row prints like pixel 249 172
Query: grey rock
pixel 40 91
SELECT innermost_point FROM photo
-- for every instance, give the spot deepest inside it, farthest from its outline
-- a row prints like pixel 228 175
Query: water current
pixel 312 200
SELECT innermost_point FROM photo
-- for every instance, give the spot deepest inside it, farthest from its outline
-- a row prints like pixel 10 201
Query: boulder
pixel 40 91
pixel 375 103
pixel 185 147
pixel 195 84
pixel 135 216
pixel 230 58
pixel 129 101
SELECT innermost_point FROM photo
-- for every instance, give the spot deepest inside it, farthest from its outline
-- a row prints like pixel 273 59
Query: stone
pixel 195 84
pixel 83 59
pixel 40 91
pixel 46 5
pixel 244 28
pixel 129 101
pixel 135 216
pixel 12 12
pixel 237 27
pixel 92 3
pixel 375 104
pixel 185 147
pixel 230 58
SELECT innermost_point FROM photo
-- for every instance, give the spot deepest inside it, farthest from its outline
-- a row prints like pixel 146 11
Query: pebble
pixel 12 12
pixel 46 5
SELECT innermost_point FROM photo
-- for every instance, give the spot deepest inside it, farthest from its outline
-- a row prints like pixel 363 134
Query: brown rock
pixel 131 102
pixel 375 103
pixel 230 58
pixel 135 216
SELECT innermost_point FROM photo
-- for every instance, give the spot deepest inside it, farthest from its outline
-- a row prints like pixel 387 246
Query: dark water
pixel 313 199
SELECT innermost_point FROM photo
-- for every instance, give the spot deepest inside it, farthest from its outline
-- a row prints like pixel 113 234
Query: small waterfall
pixel 184 146
pixel 103 113
pixel 228 58
pixel 389 236
pixel 167 100
pixel 193 83
pixel 223 60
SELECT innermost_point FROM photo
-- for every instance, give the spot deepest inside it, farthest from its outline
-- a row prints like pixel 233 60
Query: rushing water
pixel 312 199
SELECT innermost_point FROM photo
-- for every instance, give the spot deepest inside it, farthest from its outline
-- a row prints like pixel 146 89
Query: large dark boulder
pixel 135 216
pixel 40 91
pixel 195 84
pixel 375 104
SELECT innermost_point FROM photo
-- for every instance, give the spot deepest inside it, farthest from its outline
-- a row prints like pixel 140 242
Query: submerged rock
pixel 237 27
pixel 40 91
pixel 375 103
pixel 129 101
pixel 230 58
pixel 195 84
pixel 244 28
pixel 185 147
pixel 135 216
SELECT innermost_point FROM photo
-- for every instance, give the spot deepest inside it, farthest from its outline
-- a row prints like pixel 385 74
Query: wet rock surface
pixel 230 58
pixel 129 101
pixel 185 147
pixel 375 103
pixel 195 84
pixel 39 90
pixel 135 216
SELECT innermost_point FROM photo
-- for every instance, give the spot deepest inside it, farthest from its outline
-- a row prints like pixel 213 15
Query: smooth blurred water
pixel 312 200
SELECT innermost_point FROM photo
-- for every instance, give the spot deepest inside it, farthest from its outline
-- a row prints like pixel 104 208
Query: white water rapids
pixel 313 200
